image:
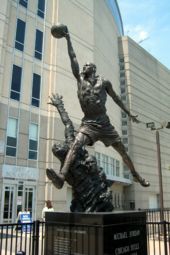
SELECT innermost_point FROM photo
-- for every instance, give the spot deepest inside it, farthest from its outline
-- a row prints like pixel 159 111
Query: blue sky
pixel 148 23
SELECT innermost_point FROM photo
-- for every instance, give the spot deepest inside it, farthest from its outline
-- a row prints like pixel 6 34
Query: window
pixel 124 132
pixel 36 90
pixel 112 166
pixel 97 155
pixel 20 35
pixel 33 141
pixel 11 143
pixel 16 82
pixel 121 60
pixel 41 8
pixel 117 168
pixel 38 44
pixel 124 123
pixel 105 164
pixel 122 66
pixel 123 98
pixel 123 90
pixel 125 140
pixel 124 115
pixel 24 3
pixel 122 74
pixel 122 81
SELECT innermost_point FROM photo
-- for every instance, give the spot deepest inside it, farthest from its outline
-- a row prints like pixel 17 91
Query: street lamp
pixel 151 125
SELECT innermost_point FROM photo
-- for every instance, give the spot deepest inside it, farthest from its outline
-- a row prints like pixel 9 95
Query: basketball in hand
pixel 59 31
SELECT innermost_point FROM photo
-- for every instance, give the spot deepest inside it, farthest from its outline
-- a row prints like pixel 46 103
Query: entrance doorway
pixel 17 198
pixel 8 212
pixel 25 198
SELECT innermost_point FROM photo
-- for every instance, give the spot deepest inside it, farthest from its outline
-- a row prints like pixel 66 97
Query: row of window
pixel 16 86
pixel 124 99
pixel 40 9
pixel 20 38
pixel 110 165
pixel 12 137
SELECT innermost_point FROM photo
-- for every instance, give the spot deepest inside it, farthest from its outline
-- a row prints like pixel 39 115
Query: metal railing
pixel 26 238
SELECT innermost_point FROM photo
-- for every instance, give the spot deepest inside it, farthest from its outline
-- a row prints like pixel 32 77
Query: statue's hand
pixel 55 99
pixel 66 33
pixel 134 118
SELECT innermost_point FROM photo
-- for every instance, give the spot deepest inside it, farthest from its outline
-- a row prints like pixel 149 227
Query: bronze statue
pixel 95 126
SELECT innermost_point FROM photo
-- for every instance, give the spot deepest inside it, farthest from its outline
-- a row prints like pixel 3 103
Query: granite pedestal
pixel 96 233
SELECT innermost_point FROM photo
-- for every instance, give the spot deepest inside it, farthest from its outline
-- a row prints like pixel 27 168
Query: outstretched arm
pixel 72 55
pixel 118 101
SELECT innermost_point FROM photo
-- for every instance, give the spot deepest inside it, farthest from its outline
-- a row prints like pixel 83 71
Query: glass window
pixel 36 90
pixel 38 44
pixel 123 98
pixel 105 164
pixel 124 132
pixel 24 3
pixel 124 123
pixel 117 168
pixel 97 155
pixel 20 35
pixel 122 66
pixel 11 137
pixel 122 90
pixel 121 60
pixel 16 82
pixel 112 166
pixel 125 140
pixel 124 115
pixel 122 74
pixel 122 82
pixel 33 141
pixel 41 8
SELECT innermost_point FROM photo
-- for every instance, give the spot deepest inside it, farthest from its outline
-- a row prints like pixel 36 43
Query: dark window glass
pixel 11 146
pixel 33 145
pixel 124 123
pixel 11 151
pixel 124 132
pixel 24 3
pixel 33 149
pixel 41 8
pixel 16 82
pixel 20 35
pixel 122 90
pixel 36 90
pixel 33 155
pixel 11 141
pixel 38 44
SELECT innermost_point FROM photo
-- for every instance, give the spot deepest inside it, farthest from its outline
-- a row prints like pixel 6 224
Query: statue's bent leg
pixel 80 140
pixel 78 143
pixel 120 148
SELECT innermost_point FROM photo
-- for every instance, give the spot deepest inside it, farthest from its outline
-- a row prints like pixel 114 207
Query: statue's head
pixel 91 163
pixel 89 68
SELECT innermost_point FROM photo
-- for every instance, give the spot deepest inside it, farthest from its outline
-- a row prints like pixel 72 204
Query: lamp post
pixel 151 125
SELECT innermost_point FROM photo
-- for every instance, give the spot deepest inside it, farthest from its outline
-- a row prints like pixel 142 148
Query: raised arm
pixel 118 101
pixel 72 55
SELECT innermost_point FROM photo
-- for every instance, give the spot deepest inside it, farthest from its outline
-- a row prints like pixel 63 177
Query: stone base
pixel 96 233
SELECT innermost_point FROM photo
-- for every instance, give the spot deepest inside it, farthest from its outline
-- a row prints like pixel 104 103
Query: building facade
pixel 33 65
pixel 145 86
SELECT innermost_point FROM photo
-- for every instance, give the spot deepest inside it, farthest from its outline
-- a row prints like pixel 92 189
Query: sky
pixel 148 23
